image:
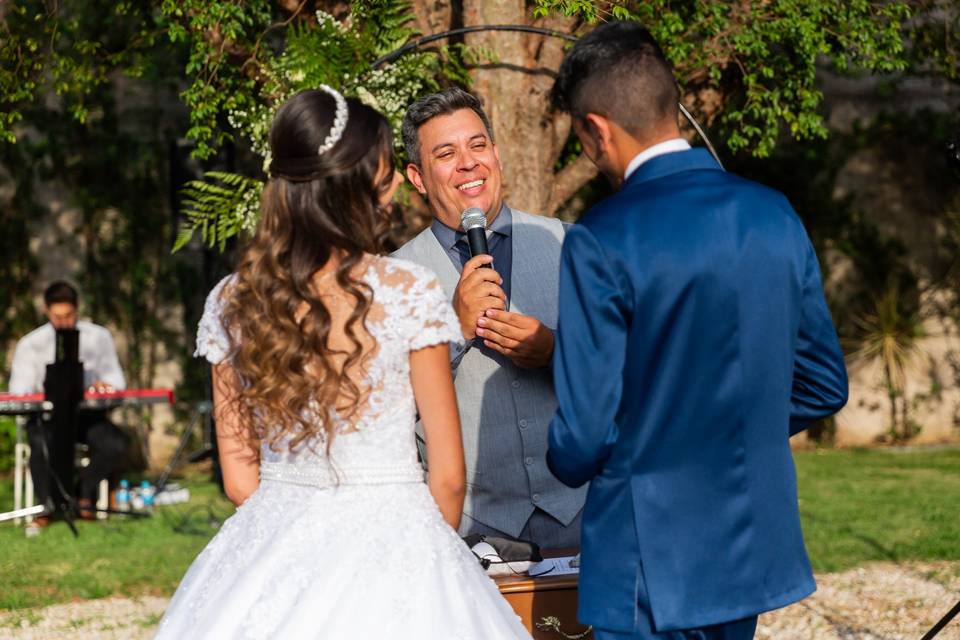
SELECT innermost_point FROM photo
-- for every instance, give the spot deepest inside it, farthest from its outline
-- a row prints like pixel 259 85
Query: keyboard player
pixel 102 372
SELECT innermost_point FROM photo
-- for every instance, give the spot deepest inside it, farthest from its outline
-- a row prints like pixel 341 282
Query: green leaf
pixel 219 207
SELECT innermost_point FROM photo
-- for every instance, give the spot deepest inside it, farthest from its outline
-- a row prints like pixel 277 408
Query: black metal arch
pixel 416 44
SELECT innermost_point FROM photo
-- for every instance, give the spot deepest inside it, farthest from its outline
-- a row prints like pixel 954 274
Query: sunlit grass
pixel 118 556
pixel 857 506
pixel 863 505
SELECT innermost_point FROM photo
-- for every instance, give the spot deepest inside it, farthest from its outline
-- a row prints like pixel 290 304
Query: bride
pixel 323 351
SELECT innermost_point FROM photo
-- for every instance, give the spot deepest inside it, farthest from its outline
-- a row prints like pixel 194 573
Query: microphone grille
pixel 473 218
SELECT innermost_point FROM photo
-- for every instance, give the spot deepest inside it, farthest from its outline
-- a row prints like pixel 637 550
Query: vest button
pixel 529 461
pixel 536 497
pixel 515 384
pixel 523 424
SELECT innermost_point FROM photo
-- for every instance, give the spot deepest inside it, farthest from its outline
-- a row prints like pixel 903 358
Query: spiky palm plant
pixel 890 335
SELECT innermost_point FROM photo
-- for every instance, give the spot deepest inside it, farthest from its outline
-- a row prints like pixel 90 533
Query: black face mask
pixel 508 550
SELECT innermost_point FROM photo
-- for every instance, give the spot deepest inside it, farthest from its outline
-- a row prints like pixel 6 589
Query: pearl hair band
pixel 339 120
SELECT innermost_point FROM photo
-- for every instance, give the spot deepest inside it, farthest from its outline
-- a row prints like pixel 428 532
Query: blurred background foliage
pixel 109 110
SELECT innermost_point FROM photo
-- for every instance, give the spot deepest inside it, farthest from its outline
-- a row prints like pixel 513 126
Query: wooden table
pixel 538 600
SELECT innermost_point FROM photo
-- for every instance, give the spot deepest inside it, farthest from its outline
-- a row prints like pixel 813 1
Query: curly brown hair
pixel 316 211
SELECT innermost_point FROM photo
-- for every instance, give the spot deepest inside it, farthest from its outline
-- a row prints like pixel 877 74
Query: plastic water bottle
pixel 123 496
pixel 146 493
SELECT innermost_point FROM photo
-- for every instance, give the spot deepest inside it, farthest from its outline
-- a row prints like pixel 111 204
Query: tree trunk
pixel 515 90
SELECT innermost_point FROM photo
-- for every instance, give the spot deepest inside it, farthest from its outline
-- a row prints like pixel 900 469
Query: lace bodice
pixel 409 312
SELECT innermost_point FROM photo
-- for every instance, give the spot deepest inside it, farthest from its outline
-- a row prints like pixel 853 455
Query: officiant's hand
pixel 478 290
pixel 523 339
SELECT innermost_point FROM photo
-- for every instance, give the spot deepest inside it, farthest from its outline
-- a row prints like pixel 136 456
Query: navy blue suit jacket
pixel 693 340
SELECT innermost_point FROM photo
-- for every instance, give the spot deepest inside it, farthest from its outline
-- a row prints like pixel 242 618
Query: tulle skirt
pixel 356 561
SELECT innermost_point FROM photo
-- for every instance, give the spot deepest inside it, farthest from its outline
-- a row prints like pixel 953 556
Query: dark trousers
pixel 737 630
pixel 108 446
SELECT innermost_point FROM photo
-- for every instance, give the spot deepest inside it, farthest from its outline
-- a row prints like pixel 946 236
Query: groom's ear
pixel 599 129
pixel 416 178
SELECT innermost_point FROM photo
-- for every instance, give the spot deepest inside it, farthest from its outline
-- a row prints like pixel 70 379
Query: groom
pixel 693 340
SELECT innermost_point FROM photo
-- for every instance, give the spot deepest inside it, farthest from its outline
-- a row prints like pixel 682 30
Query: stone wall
pixel 908 202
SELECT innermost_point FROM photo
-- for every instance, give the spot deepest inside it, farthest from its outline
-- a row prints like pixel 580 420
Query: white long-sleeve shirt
pixel 36 350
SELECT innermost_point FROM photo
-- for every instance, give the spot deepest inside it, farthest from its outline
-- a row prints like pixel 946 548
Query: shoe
pixel 86 509
pixel 33 527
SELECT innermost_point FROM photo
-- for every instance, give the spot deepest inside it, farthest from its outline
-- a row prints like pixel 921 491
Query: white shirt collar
pixel 668 146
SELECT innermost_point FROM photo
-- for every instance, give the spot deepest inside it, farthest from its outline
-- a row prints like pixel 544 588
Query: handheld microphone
pixel 475 224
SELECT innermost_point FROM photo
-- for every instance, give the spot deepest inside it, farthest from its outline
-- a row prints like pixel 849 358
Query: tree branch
pixel 291 6
pixel 569 180
pixel 548 52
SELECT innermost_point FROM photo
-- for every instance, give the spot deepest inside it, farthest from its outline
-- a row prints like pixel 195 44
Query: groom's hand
pixel 523 339
pixel 478 290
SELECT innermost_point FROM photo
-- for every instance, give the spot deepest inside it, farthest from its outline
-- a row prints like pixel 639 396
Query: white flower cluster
pixel 254 125
pixel 324 18
pixel 367 98
pixel 390 90
pixel 248 210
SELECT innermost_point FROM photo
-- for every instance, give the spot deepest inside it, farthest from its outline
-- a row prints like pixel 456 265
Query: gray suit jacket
pixel 505 410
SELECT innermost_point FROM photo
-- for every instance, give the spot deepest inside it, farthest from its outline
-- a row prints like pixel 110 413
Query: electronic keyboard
pixel 22 404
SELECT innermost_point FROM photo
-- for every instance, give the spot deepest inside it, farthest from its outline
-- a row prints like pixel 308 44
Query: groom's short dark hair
pixel 428 107
pixel 618 71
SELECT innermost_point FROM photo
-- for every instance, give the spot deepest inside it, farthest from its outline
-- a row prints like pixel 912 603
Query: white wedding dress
pixel 352 546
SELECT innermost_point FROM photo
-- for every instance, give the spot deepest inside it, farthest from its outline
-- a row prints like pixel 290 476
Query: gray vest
pixel 505 410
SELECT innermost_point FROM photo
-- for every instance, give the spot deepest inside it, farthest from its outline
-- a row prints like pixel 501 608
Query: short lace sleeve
pixel 433 320
pixel 427 316
pixel 213 342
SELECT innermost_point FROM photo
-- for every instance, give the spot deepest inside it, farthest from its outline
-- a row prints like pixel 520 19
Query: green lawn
pixel 123 556
pixel 863 505
pixel 857 506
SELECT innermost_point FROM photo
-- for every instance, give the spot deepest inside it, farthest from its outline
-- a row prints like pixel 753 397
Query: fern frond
pixel 384 24
pixel 219 207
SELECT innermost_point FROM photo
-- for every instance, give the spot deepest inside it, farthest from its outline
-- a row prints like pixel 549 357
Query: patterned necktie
pixel 463 248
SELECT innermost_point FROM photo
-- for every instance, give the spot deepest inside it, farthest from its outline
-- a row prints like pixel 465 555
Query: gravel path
pixel 106 619
pixel 883 601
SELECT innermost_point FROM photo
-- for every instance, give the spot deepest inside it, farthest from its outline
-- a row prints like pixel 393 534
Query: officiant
pixel 507 306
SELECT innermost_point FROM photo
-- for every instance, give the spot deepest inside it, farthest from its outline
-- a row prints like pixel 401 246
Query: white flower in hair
pixel 367 98
pixel 339 120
